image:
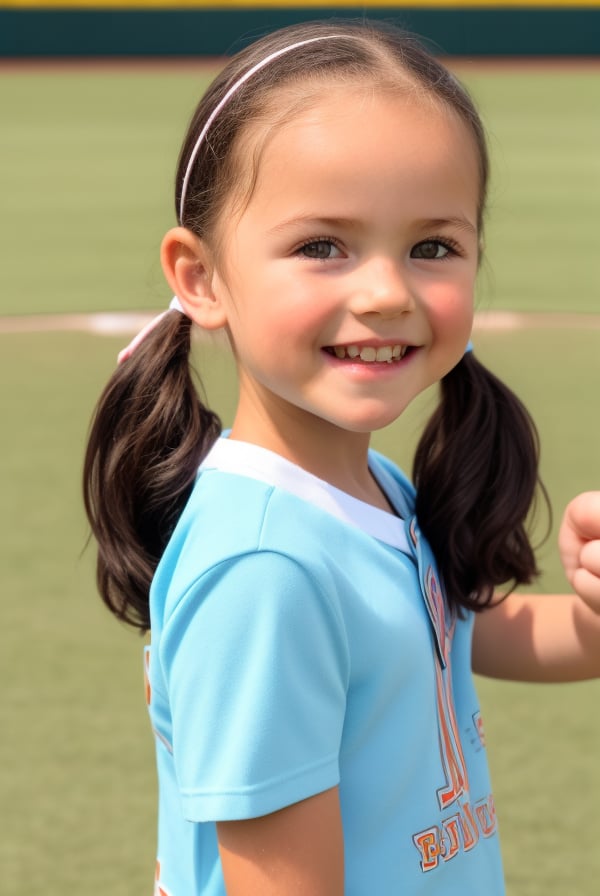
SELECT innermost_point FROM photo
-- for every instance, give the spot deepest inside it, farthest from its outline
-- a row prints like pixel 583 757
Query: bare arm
pixel 538 637
pixel 550 637
pixel 298 851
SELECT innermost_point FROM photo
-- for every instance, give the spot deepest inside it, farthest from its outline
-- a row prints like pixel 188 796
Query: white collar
pixel 255 462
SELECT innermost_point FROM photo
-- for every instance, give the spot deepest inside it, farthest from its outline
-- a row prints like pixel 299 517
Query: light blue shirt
pixel 300 641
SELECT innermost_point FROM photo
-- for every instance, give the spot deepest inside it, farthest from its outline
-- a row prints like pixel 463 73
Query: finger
pixel 580 524
pixel 587 587
pixel 583 514
pixel 589 557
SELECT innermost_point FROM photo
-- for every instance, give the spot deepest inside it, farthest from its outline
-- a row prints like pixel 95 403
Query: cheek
pixel 451 308
pixel 295 315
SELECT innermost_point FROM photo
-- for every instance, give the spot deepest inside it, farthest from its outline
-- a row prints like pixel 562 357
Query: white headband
pixel 223 102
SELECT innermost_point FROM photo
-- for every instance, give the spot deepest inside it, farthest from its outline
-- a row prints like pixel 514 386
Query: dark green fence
pixel 473 31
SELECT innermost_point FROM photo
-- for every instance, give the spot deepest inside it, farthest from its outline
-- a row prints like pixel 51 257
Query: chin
pixel 370 424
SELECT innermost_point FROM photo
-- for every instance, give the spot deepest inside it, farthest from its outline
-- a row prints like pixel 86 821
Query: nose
pixel 382 287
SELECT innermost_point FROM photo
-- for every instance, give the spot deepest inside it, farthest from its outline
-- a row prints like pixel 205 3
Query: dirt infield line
pixel 118 323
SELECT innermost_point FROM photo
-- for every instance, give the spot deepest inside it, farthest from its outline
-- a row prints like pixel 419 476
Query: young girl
pixel 309 675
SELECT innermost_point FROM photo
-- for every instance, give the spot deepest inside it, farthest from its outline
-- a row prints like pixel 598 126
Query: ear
pixel 188 265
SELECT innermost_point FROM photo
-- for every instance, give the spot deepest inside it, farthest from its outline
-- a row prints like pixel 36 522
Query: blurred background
pixel 94 101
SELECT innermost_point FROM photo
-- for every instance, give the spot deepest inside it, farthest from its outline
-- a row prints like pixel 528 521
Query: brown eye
pixel 430 249
pixel 321 249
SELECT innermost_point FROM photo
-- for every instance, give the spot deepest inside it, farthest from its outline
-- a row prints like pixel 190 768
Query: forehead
pixel 354 145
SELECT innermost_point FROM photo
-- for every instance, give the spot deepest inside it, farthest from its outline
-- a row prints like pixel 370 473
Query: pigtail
pixel 148 435
pixel 476 473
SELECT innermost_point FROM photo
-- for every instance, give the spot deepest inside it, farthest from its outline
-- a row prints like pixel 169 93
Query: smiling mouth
pixel 368 353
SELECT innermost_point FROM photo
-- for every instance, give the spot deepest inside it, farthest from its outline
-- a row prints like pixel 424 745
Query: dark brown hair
pixel 476 465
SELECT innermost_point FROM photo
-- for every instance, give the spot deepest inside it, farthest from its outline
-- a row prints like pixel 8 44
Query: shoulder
pixel 229 514
pixel 252 514
pixel 238 534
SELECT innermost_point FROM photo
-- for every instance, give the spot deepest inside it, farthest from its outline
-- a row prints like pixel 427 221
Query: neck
pixel 337 456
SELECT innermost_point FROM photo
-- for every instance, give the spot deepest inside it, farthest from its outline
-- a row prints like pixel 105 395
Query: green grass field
pixel 86 164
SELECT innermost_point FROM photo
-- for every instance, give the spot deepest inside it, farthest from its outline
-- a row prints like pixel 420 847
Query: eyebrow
pixel 459 222
pixel 300 220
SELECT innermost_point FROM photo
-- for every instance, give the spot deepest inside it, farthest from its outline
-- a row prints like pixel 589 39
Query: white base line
pixel 530 320
pixel 127 323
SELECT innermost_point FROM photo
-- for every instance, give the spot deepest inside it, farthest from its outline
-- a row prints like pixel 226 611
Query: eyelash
pixel 450 245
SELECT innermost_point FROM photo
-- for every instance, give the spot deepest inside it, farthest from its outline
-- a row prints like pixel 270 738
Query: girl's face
pixel 347 280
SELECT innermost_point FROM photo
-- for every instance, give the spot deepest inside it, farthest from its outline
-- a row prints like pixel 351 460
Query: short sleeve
pixel 256 668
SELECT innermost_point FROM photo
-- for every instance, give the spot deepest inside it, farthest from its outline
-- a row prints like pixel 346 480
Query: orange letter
pixel 486 815
pixel 428 844
pixel 470 831
pixel 450 826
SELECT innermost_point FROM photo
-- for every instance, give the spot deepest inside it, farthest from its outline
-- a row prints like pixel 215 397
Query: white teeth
pixel 369 354
pixel 385 353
